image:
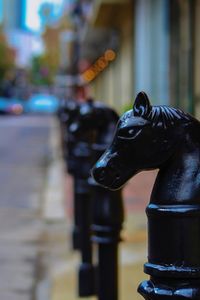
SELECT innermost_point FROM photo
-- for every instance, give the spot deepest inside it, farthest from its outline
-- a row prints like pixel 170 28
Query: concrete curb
pixel 53 216
pixel 54 197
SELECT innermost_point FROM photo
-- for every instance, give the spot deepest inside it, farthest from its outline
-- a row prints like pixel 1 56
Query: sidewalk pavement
pixel 62 262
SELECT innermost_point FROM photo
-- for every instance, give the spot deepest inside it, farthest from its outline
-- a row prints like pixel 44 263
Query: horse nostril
pixel 99 174
pixel 115 173
pixel 117 176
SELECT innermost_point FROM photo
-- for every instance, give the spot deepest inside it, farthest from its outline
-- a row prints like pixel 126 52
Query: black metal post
pixel 107 225
pixel 82 202
pixel 62 122
pixel 166 138
pixel 67 114
pixel 108 270
pixel 86 282
pixel 76 230
pixel 97 121
pixel 108 217
pixel 173 255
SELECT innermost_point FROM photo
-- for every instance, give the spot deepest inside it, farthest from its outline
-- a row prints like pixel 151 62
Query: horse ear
pixel 141 106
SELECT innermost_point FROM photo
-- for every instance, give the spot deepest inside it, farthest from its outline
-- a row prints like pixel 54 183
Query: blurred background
pixel 108 49
pixel 57 50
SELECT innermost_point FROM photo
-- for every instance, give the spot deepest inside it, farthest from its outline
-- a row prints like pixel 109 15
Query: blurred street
pixel 25 151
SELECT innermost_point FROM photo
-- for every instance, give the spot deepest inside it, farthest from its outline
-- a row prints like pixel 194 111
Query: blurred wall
pixel 182 60
pixel 13 14
pixel 114 84
pixel 24 42
pixel 151 44
pixel 158 51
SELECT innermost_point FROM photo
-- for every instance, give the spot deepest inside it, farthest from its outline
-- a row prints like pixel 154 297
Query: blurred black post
pixel 67 115
pixel 82 199
pixel 82 204
pixel 108 216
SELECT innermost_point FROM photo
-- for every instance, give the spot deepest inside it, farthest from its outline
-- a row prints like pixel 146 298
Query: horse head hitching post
pixel 69 112
pixel 82 205
pixel 150 137
pixel 107 216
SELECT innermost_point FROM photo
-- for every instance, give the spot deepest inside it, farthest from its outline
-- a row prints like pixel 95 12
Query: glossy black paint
pixel 97 118
pixel 67 113
pixel 149 137
pixel 77 154
pixel 81 153
pixel 100 121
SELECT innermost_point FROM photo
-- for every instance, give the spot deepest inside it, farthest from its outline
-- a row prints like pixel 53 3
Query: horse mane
pixel 166 116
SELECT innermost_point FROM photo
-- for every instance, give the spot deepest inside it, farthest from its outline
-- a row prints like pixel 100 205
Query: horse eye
pixel 131 131
pixel 125 133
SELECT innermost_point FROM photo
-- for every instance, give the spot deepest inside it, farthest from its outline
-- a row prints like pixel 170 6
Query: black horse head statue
pixel 97 117
pixel 154 137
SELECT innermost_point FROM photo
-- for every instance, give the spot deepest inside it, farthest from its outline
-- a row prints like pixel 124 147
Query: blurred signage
pixel 100 64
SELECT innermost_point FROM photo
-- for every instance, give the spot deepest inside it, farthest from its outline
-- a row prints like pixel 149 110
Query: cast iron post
pixel 108 216
pixel 82 199
pixel 69 112
pixel 150 137
pixel 83 209
pixel 107 206
pixel 61 114
pixel 67 115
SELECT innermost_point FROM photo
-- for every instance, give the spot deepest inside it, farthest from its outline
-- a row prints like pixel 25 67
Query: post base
pixel 86 280
pixel 170 289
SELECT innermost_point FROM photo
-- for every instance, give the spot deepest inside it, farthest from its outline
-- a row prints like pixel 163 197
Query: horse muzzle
pixel 107 177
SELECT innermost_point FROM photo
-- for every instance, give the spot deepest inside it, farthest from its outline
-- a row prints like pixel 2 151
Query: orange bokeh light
pixel 109 55
pixel 99 65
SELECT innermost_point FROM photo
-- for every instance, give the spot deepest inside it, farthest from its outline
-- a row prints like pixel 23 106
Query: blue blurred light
pixel 32 18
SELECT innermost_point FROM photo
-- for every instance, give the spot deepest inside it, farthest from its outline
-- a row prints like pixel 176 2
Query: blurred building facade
pixel 25 42
pixel 166 51
pixel 13 12
pixel 114 84
pixel 157 49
